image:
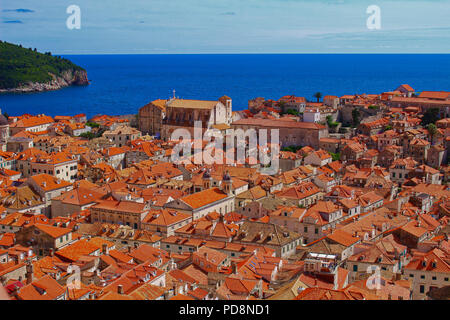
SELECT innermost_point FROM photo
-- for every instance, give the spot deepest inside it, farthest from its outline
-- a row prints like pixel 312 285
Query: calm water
pixel 123 83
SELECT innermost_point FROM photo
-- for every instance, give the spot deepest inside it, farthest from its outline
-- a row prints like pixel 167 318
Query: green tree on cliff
pixel 18 66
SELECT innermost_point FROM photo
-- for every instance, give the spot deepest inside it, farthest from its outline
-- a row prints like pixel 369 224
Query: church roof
pixel 192 104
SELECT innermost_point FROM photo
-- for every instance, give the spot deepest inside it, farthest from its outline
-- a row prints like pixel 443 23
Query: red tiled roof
pixel 204 197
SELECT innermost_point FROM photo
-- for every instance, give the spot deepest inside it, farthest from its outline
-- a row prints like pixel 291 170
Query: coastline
pixel 124 83
pixel 68 78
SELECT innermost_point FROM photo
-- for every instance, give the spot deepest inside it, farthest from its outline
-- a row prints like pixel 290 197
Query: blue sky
pixel 228 26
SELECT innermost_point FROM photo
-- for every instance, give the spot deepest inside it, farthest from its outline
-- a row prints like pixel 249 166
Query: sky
pixel 227 26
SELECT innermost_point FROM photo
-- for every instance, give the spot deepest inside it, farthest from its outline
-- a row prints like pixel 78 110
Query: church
pixel 161 117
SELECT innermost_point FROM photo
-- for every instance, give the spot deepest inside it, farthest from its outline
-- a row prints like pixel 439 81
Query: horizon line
pixel 259 53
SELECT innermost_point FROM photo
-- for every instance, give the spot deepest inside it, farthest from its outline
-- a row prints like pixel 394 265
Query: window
pixel 445 279
pixel 422 289
pixel 411 275
pixel 422 277
pixel 305 229
pixel 355 268
pixel 316 230
pixel 434 278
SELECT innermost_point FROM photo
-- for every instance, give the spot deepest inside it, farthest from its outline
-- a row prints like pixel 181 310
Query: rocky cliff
pixel 66 79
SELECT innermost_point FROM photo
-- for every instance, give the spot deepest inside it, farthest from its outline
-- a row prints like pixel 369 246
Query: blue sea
pixel 121 84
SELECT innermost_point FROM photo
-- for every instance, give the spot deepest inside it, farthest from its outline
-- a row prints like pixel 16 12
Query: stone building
pixel 418 150
pixel 182 113
pixel 122 135
pixel 30 123
pixel 151 116
pixel 272 236
pixel 44 239
pixel 291 133
pixel 128 213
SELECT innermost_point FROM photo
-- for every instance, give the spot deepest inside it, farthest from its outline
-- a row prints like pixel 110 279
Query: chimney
pixel 166 295
pixel 260 292
pixel 120 289
pixel 104 248
pixel 234 267
pixel 175 289
pixel 29 273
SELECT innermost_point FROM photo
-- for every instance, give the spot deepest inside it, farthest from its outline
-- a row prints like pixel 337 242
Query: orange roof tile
pixel 204 197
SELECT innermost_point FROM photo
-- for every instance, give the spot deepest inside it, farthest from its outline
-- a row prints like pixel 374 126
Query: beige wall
pixel 222 207
pixel 66 171
pixel 427 282
pixel 18 273
pixel 14 130
pixel 58 208
pixel 126 218
pixel 307 230
pixel 168 230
